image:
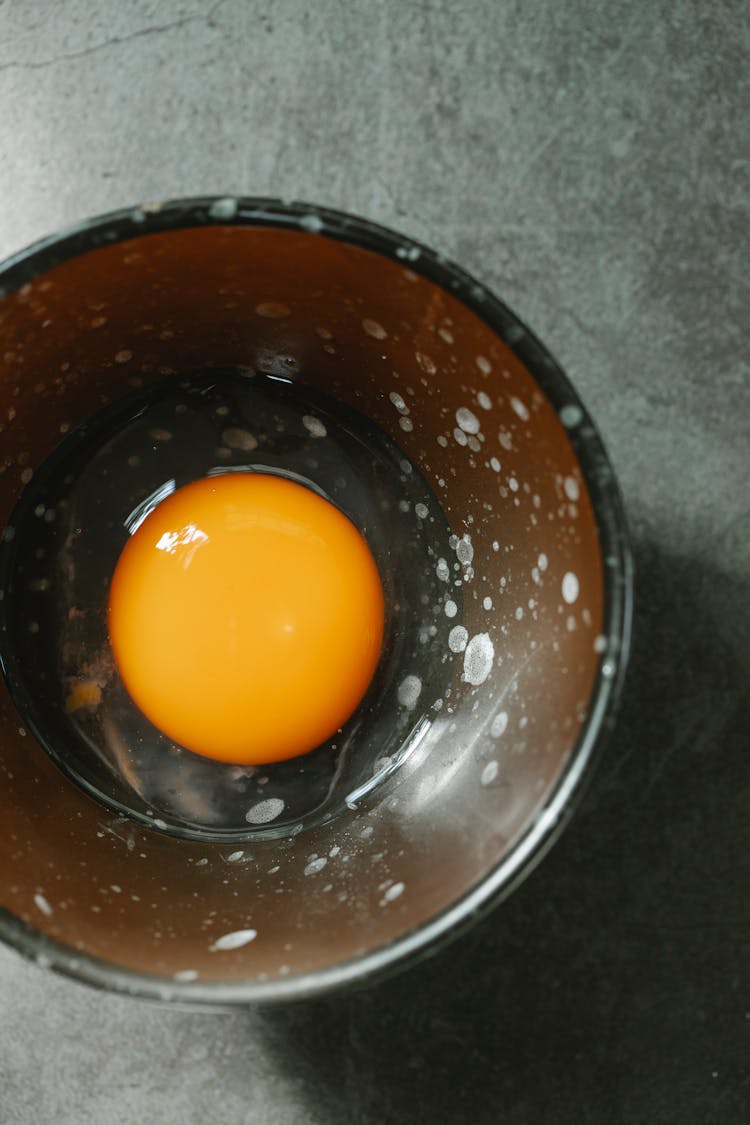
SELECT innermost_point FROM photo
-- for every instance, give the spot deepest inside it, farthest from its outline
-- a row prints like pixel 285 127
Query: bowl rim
pixel 431 935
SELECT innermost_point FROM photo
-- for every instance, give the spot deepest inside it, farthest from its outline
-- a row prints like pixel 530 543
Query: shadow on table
pixel 613 985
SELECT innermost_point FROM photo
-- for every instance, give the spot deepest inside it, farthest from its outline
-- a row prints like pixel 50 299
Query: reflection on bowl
pixel 524 606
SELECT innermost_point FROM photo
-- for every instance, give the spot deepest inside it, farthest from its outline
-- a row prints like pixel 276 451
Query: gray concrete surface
pixel 589 161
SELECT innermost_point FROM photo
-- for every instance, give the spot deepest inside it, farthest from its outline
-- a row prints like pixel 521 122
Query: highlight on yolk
pixel 246 617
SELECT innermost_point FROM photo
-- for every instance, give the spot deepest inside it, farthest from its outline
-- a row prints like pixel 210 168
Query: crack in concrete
pixel 115 41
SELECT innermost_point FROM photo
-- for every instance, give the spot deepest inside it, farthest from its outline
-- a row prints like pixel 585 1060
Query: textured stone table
pixel 589 160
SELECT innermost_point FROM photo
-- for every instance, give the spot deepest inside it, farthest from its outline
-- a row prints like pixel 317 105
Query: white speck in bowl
pixel 237 438
pixel 314 426
pixel 265 811
pixel 458 638
pixel 571 416
pixel 467 420
pixel 464 550
pixel 409 691
pixel 478 659
pixel 372 328
pixel 520 409
pixel 499 724
pixel 489 773
pixel 570 587
pixel 233 940
pixel 273 310
pixel 572 489
pixel 311 223
pixel 222 209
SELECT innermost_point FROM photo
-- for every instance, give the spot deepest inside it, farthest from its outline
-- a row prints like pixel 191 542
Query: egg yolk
pixel 246 617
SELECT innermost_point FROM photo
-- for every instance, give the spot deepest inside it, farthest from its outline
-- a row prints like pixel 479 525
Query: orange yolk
pixel 246 617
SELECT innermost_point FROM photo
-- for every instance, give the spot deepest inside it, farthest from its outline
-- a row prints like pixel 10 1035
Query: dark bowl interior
pixel 502 440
